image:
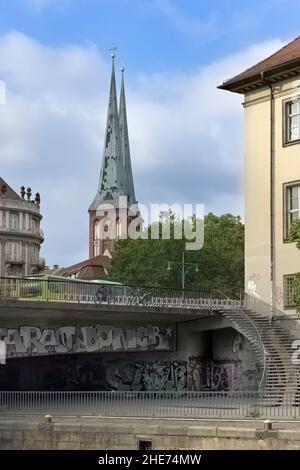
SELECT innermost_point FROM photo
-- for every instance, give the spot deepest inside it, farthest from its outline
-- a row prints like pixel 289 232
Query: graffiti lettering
pixel 31 340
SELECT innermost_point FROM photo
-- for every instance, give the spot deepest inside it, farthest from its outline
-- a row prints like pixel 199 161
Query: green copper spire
pixel 112 177
pixel 124 137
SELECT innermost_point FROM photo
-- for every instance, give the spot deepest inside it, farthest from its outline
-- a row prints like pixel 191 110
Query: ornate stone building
pixel 108 218
pixel 20 233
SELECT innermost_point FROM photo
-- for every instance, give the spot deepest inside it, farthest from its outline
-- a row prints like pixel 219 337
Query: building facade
pixel 20 233
pixel 108 214
pixel 272 173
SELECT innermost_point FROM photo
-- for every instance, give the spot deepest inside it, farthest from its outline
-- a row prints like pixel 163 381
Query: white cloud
pixel 186 136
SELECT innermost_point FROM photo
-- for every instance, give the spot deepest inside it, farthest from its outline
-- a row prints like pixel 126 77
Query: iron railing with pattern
pixel 278 332
pixel 89 292
pixel 155 404
pixel 243 323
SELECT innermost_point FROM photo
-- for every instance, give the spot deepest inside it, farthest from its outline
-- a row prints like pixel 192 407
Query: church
pixel 108 215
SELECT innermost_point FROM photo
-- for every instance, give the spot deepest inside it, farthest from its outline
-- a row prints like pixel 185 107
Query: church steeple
pixel 125 147
pixel 112 176
pixel 115 179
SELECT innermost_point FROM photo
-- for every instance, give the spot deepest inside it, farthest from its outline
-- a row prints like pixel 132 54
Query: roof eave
pixel 277 73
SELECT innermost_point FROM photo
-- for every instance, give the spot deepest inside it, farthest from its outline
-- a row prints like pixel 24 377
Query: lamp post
pixel 184 268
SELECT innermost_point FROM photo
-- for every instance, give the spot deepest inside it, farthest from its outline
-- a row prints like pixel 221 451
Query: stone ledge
pixel 241 433
pixel 289 434
pixel 202 431
pixel 267 434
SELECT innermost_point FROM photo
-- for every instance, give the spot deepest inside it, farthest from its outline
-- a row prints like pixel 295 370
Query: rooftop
pixel 6 192
pixel 282 64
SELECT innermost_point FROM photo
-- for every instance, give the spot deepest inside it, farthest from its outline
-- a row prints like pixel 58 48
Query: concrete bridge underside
pixel 138 348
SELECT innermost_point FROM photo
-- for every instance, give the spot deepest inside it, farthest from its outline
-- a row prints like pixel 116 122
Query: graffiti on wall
pixel 252 284
pixel 238 343
pixel 33 341
pixel 220 375
pixel 128 372
pixel 147 376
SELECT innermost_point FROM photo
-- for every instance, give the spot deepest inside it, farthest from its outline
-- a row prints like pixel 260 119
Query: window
pixel 292 121
pixel 292 206
pixel 13 221
pixel 288 291
pixel 12 251
pixel 35 254
pixel 34 225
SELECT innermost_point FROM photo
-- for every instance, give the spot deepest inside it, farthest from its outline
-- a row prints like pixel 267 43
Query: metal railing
pixel 260 307
pixel 89 292
pixel 151 404
pixel 245 324
pixel 278 331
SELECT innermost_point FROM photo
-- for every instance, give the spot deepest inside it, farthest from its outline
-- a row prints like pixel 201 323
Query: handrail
pixel 262 380
pixel 261 307
pixel 89 292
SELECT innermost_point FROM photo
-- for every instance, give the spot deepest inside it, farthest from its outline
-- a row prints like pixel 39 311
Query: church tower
pixel 107 215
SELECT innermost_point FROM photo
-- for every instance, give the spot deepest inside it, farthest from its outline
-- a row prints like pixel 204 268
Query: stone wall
pixel 102 434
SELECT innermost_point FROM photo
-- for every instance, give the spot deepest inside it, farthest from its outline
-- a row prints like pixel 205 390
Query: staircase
pixel 272 341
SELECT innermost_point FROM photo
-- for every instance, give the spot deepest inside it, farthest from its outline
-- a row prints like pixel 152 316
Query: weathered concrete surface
pixel 14 311
pixel 33 432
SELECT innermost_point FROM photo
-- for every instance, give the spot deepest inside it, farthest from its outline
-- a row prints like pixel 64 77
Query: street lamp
pixel 185 267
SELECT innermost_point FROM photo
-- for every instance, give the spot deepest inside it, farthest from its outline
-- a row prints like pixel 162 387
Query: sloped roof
pixel 6 192
pixel 96 262
pixel 94 268
pixel 286 58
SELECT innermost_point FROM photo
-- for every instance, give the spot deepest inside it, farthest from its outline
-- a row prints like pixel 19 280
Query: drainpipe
pixel 272 196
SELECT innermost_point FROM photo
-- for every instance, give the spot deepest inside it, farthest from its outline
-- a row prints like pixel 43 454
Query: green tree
pixel 295 237
pixel 144 262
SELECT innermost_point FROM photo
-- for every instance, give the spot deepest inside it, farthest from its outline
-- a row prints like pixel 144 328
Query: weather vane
pixel 113 50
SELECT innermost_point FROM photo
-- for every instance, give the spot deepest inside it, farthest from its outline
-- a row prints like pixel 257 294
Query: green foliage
pixel 295 233
pixel 221 260
pixel 296 289
pixel 295 237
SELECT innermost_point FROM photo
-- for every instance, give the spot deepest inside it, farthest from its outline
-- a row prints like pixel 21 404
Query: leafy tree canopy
pixel 144 262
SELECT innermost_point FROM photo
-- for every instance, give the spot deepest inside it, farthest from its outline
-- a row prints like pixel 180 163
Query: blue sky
pixel 155 34
pixel 186 136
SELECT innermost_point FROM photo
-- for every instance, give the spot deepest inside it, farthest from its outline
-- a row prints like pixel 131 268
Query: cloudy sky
pixel 186 136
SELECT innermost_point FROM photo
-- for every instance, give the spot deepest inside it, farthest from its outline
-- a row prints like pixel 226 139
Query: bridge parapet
pixel 74 291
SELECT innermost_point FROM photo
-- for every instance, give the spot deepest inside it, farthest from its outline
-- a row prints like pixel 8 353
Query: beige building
pixel 271 92
pixel 20 233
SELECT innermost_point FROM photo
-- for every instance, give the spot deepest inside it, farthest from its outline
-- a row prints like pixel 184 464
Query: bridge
pixel 270 333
